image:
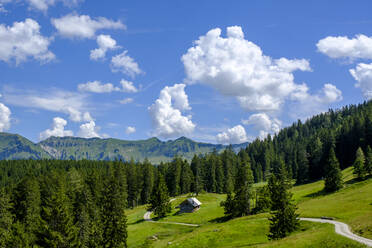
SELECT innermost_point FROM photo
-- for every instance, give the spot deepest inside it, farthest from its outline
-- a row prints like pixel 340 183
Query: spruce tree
pixel 368 163
pixel 333 177
pixel 359 164
pixel 159 201
pixel 6 218
pixel 114 220
pixel 197 185
pixel 284 218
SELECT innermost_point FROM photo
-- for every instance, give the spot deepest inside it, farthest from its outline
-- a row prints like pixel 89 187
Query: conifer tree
pixel 197 185
pixel 284 219
pixel 359 164
pixel 333 177
pixel 159 202
pixel 6 218
pixel 368 163
pixel 114 220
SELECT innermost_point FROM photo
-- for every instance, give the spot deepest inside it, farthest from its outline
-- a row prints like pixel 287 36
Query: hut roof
pixel 192 201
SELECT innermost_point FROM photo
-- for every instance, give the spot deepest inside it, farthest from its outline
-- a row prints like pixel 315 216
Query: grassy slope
pixel 352 205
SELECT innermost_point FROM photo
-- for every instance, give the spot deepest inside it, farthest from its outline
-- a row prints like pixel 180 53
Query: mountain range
pixel 14 146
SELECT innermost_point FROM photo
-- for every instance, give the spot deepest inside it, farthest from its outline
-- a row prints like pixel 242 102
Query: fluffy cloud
pixel 57 130
pixel 264 124
pixel 126 100
pixel 309 104
pixel 4 117
pixel 234 135
pixel 23 40
pixel 125 64
pixel 105 43
pixel 359 47
pixel 166 113
pixel 237 67
pixel 128 86
pixel 97 87
pixel 363 75
pixel 75 26
pixel 130 130
pixel 89 130
pixel 70 103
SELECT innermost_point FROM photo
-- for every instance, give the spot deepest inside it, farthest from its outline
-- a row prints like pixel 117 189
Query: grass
pixel 352 205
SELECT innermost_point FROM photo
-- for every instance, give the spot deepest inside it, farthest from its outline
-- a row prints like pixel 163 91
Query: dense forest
pixel 68 203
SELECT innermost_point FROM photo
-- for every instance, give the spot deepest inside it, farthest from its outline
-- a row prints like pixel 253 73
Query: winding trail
pixel 147 217
pixel 342 229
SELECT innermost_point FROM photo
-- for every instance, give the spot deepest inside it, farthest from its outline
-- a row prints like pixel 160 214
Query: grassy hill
pixel 13 146
pixel 352 205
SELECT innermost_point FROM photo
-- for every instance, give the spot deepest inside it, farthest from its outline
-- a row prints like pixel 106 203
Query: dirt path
pixel 147 217
pixel 342 229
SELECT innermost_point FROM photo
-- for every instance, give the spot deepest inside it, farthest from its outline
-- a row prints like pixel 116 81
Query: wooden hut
pixel 189 205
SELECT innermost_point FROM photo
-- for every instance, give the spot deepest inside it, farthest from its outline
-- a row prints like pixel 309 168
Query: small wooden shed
pixel 189 205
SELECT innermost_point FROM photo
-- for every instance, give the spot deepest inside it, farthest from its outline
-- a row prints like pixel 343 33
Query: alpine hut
pixel 189 205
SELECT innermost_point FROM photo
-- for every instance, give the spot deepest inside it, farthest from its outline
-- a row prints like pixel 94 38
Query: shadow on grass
pixel 318 193
pixel 137 222
pixel 220 219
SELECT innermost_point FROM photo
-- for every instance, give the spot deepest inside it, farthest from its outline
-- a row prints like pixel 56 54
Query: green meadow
pixel 352 205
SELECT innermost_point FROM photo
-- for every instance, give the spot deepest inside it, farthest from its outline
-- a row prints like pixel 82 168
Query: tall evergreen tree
pixel 333 177
pixel 359 164
pixel 114 220
pixel 197 185
pixel 284 219
pixel 368 163
pixel 6 218
pixel 159 202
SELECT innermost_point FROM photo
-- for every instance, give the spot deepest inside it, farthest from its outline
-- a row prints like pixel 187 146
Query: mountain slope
pixel 14 146
pixel 110 149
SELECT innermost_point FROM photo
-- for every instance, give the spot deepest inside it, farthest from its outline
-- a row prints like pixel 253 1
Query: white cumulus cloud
pixel 130 130
pixel 363 75
pixel 23 40
pixel 83 26
pixel 125 64
pixel 234 135
pixel 4 117
pixel 237 67
pixel 89 130
pixel 359 47
pixel 166 113
pixel 128 86
pixel 57 130
pixel 105 43
pixel 263 124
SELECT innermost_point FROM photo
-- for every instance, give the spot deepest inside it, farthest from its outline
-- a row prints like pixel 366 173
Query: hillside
pixel 351 205
pixel 13 146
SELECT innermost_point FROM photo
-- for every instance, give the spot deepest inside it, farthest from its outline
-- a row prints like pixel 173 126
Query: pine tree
pixel 159 202
pixel 6 218
pixel 26 201
pixel 368 163
pixel 333 176
pixel 114 220
pixel 359 164
pixel 197 185
pixel 284 219
pixel 303 167
pixel 57 227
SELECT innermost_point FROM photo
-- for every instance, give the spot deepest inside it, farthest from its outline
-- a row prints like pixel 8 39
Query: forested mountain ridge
pixel 13 146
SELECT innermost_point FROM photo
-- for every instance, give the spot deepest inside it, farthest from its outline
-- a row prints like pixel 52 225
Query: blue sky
pixel 214 71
